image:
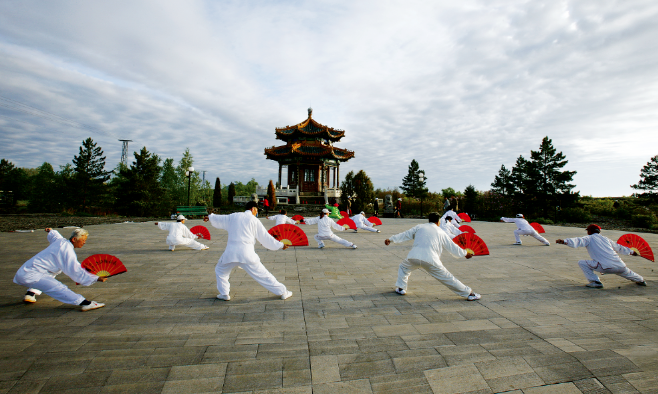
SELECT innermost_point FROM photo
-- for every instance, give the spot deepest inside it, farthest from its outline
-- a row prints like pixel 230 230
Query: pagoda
pixel 311 158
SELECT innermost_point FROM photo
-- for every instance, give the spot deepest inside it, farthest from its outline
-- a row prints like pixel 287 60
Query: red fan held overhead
pixel 472 243
pixel 347 223
pixel 201 232
pixel 637 244
pixel 375 220
pixel 464 217
pixel 299 218
pixel 103 265
pixel 289 234
pixel 465 228
pixel 538 228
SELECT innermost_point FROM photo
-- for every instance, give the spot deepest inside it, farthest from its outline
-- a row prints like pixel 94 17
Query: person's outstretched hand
pixel 560 241
pixel 469 255
pixel 285 247
pixel 102 278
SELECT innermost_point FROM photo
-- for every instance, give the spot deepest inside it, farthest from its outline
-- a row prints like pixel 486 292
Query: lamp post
pixel 421 178
pixel 188 174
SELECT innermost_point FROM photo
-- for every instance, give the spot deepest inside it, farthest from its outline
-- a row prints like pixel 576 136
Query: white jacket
pixel 179 234
pixel 453 215
pixel 361 221
pixel 429 242
pixel 281 219
pixel 57 258
pixel 521 223
pixel 449 228
pixel 601 249
pixel 324 225
pixel 243 231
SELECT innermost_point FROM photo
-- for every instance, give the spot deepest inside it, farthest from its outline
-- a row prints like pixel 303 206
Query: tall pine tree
pixel 502 183
pixel 217 194
pixel 411 184
pixel 90 174
pixel 649 178
pixel 139 191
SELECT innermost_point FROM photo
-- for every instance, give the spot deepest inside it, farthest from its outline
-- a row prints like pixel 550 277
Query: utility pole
pixel 124 152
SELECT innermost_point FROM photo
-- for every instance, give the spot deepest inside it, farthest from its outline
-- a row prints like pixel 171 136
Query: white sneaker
pixel 206 248
pixel 286 295
pixel 473 297
pixel 378 231
pixel 353 246
pixel 29 298
pixel 172 248
pixel 320 246
pixel 400 291
pixel 224 297
pixel 93 305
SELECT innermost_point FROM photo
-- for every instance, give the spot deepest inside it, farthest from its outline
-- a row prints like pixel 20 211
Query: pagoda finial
pixel 310 111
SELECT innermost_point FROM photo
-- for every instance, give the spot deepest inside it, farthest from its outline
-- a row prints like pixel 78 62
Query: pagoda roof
pixel 308 149
pixel 309 128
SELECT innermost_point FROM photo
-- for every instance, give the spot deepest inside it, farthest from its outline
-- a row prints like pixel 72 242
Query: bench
pixel 192 211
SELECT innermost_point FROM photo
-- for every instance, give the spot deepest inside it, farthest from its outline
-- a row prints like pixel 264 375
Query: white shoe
pixel 517 243
pixel 172 248
pixel 353 246
pixel 206 248
pixel 378 231
pixel 473 297
pixel 29 298
pixel 320 246
pixel 400 291
pixel 93 305
pixel 286 295
pixel 595 285
pixel 224 297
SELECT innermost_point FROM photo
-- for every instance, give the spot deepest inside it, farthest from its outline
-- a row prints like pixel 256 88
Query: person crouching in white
pixel 243 231
pixel 39 272
pixel 325 223
pixel 524 228
pixel 429 242
pixel 604 259
pixel 450 229
pixel 281 218
pixel 456 219
pixel 363 223
pixel 179 234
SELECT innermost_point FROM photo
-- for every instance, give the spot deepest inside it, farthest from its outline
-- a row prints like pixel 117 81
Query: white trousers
pixel 191 244
pixel 374 230
pixel 589 266
pixel 319 238
pixel 52 287
pixel 255 269
pixel 439 272
pixel 531 233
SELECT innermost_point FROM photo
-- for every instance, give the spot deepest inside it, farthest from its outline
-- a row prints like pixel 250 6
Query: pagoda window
pixel 309 175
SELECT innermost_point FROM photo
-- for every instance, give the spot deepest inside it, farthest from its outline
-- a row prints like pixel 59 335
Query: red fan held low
pixel 375 220
pixel 465 228
pixel 637 244
pixel 464 217
pixel 472 243
pixel 538 227
pixel 289 234
pixel 103 265
pixel 201 232
pixel 347 223
pixel 299 218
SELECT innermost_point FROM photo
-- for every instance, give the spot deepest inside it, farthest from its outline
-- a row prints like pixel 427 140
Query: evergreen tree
pixel 649 178
pixel 548 183
pixel 502 183
pixel 231 193
pixel 193 182
pixel 412 186
pixel 347 187
pixel 364 191
pixel 90 174
pixel 139 190
pixel 47 186
pixel 470 199
pixel 217 194
pixel 271 195
pixel 170 185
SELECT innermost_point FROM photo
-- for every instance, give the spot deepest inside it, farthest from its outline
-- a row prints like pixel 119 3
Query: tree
pixel 547 174
pixel 347 187
pixel 46 188
pixel 139 190
pixel 502 183
pixel 364 190
pixel 217 194
pixel 271 195
pixel 649 178
pixel 90 174
pixel 412 186
pixel 448 192
pixel 193 182
pixel 470 199
pixel 231 193
pixel 170 185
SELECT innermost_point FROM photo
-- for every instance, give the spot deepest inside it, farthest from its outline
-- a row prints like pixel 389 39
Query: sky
pixel 461 87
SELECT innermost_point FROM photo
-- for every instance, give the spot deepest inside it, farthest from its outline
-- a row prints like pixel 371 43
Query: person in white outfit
pixel 39 272
pixel 604 258
pixel 524 228
pixel 429 242
pixel 453 215
pixel 450 229
pixel 179 234
pixel 363 223
pixel 325 223
pixel 281 218
pixel 243 231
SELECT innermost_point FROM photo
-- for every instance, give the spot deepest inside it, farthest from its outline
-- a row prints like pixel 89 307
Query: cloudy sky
pixel 462 87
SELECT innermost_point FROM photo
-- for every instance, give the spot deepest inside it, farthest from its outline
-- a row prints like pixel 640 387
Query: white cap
pixel 519 215
pixel 362 213
pixel 325 210
pixel 180 217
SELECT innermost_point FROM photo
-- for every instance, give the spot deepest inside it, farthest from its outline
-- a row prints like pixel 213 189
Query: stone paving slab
pixel 537 328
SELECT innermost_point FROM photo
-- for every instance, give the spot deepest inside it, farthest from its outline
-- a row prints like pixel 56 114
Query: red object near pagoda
pixel 344 214
pixel 538 227
pixel 299 218
pixel 375 220
pixel 637 244
pixel 465 228
pixel 201 232
pixel 472 243
pixel 347 223
pixel 464 217
pixel 104 265
pixel 289 234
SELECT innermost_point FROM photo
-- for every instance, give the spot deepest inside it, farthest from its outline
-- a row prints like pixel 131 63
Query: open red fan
pixel 344 214
pixel 538 227
pixel 375 220
pixel 638 244
pixel 299 218
pixel 464 217
pixel 465 228
pixel 201 232
pixel 103 265
pixel 347 223
pixel 289 234
pixel 472 243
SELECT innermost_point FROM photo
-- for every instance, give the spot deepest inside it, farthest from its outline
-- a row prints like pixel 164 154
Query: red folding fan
pixel 344 214
pixel 464 217
pixel 201 232
pixel 637 244
pixel 465 228
pixel 103 265
pixel 299 218
pixel 375 220
pixel 472 243
pixel 537 227
pixel 347 223
pixel 289 234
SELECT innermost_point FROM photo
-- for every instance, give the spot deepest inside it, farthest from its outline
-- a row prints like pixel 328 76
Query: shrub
pixel 644 221
pixel 576 215
pixel 544 221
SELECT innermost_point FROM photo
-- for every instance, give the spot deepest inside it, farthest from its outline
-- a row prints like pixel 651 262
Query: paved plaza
pixel 537 328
